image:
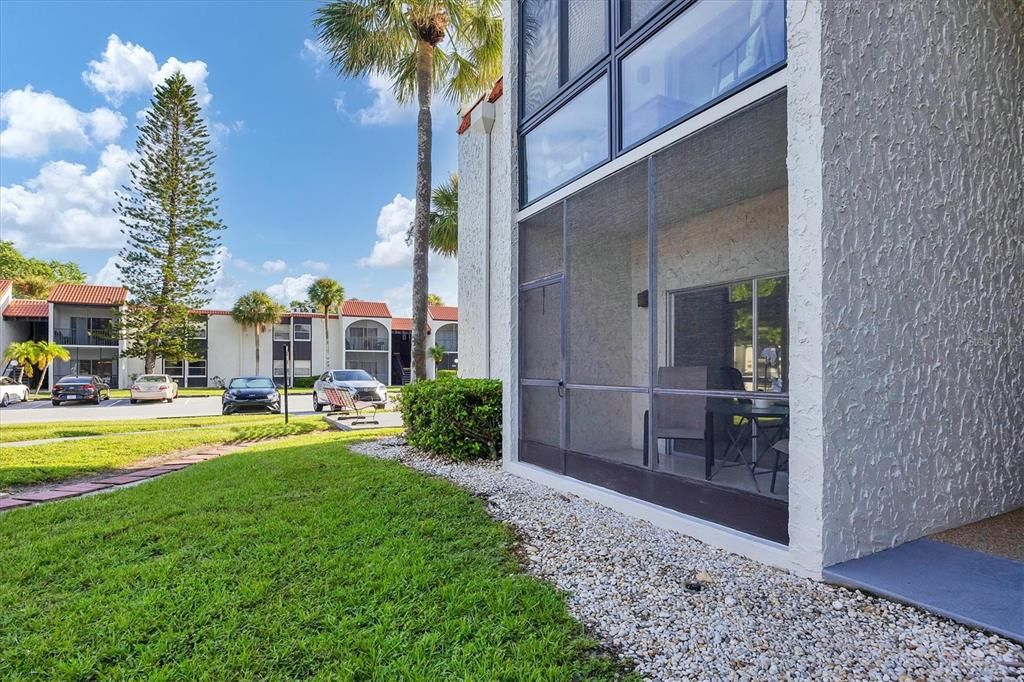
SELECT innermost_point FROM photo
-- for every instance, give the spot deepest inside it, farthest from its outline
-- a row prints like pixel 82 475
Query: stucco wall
pixel 923 268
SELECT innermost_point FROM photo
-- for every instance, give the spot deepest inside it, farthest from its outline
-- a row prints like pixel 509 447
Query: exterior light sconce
pixel 642 299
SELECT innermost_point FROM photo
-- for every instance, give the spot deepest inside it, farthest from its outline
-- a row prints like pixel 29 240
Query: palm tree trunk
pixel 256 336
pixel 42 378
pixel 421 223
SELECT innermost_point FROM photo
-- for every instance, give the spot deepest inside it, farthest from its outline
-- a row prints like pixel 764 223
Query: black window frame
pixel 620 44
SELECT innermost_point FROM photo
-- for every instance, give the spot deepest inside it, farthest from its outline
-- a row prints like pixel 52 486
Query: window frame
pixel 619 45
pixel 308 331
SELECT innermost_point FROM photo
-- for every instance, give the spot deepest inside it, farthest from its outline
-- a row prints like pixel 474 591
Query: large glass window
pixel 540 53
pixel 635 11
pixel 282 332
pixel 709 50
pixel 301 331
pixel 572 141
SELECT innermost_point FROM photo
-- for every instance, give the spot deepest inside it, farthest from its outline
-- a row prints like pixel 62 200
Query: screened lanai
pixel 654 327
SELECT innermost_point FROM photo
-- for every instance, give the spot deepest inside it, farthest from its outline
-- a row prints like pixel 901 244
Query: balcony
pixel 66 336
pixel 366 343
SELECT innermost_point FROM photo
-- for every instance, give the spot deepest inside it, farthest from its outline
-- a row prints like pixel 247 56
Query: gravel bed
pixel 627 582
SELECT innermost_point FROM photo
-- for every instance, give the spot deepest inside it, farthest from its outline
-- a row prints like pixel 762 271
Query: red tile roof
pixel 26 307
pixel 88 294
pixel 365 309
pixel 444 313
pixel 5 284
pixel 209 311
pixel 493 96
pixel 403 324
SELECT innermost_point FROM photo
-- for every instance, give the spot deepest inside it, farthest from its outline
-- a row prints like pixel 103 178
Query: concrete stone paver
pixel 10 503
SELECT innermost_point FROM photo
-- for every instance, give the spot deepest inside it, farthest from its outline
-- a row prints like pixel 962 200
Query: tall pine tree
pixel 169 214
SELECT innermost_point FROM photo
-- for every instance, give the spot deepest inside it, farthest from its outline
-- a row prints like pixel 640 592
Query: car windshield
pixel 251 382
pixel 74 380
pixel 153 378
pixel 352 375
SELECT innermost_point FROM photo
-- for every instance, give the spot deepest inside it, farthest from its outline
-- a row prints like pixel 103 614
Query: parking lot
pixel 121 408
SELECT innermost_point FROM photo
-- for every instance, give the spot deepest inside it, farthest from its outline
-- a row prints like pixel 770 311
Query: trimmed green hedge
pixel 303 382
pixel 453 417
pixel 446 373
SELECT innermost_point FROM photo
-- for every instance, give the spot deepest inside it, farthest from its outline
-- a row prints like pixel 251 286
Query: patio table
pixel 750 413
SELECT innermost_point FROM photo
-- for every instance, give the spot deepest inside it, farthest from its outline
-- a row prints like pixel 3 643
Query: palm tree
pixel 23 353
pixel 257 310
pixel 444 217
pixel 43 356
pixel 438 354
pixel 326 293
pixel 421 45
pixel 33 286
pixel 434 299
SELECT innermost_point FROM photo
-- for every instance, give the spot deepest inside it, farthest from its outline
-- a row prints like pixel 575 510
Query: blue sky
pixel 315 172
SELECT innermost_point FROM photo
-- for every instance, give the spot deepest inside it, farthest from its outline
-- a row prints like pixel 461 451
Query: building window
pixel 278 368
pixel 197 330
pixel 635 11
pixel 303 368
pixel 586 35
pixel 302 332
pixel 569 143
pixel 282 332
pixel 174 369
pixel 448 337
pixel 707 51
pixel 197 368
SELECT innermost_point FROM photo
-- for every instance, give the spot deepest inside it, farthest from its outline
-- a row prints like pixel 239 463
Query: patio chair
pixel 680 417
pixel 343 402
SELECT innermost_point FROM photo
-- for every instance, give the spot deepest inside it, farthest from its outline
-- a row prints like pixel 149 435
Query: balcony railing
pixel 83 337
pixel 366 344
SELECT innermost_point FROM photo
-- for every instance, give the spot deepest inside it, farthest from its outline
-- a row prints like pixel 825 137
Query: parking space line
pixel 116 402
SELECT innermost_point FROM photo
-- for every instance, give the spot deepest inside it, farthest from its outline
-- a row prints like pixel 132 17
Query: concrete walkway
pixel 121 479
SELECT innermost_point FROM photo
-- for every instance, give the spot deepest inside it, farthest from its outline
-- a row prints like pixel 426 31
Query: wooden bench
pixel 342 402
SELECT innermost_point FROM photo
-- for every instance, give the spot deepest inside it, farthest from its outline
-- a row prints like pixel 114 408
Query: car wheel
pixel 133 401
pixel 225 412
pixel 317 406
pixel 5 400
pixel 97 400
pixel 55 403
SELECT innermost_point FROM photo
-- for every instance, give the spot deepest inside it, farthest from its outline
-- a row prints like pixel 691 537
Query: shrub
pixel 303 382
pixel 446 373
pixel 457 418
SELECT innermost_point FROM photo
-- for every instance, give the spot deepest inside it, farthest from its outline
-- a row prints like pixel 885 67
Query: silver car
pixel 358 382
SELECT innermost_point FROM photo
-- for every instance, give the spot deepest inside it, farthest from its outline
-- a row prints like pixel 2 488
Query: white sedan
pixel 154 387
pixel 12 392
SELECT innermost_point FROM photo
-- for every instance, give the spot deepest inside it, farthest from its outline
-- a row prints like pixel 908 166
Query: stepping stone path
pixel 108 483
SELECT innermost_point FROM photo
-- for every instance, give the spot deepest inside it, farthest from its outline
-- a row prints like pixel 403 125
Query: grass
pixel 12 433
pixel 28 464
pixel 282 562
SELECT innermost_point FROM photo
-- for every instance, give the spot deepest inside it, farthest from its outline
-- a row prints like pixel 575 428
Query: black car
pixel 251 393
pixel 81 388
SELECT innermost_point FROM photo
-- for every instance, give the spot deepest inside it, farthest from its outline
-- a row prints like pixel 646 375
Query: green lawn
pixel 11 433
pixel 27 464
pixel 287 561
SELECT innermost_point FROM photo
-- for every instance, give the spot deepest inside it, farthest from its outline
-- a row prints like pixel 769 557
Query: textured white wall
pixel 923 268
pixel 803 167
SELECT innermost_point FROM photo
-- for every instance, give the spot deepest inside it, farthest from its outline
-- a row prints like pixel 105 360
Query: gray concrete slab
pixel 981 590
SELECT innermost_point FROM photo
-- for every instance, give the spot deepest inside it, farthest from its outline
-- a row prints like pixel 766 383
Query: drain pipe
pixel 482 119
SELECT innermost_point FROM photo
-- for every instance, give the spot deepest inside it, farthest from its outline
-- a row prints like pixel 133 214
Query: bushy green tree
pixel 34 277
pixel 169 213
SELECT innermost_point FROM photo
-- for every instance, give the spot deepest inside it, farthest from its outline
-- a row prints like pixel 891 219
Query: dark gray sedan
pixel 251 394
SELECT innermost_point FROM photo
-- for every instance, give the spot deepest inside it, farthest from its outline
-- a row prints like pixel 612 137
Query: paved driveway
pixel 42 411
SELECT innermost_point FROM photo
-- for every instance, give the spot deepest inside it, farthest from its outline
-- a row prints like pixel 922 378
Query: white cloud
pixel 128 68
pixel 390 249
pixel 39 121
pixel 314 53
pixel 65 206
pixel 385 110
pixel 317 265
pixel 109 273
pixel 243 264
pixel 444 281
pixel 339 103
pixel 124 68
pixel 277 265
pixel 291 288
pixel 226 290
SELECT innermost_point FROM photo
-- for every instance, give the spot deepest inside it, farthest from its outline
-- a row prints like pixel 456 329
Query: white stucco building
pixel 753 269
pixel 366 336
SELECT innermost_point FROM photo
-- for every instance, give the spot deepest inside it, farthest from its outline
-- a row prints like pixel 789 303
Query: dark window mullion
pixel 563 42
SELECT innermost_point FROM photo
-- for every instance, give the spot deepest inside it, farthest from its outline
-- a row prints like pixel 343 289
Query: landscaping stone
pixel 627 581
pixel 11 503
pixel 122 480
pixel 46 495
pixel 83 487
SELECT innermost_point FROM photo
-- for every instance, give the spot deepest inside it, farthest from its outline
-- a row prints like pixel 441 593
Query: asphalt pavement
pixel 35 411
